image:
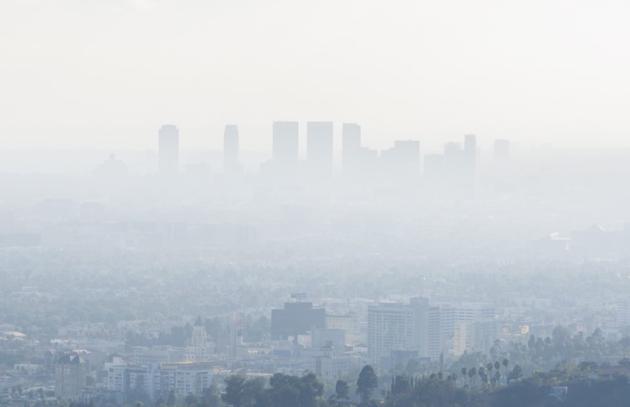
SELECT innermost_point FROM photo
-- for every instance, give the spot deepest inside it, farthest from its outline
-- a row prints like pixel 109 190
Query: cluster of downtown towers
pixel 404 155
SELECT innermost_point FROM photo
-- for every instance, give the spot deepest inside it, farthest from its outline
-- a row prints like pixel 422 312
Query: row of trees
pixel 590 386
pixel 552 389
pixel 292 391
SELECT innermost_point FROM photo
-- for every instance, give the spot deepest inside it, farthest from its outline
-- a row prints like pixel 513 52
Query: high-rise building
pixel 198 349
pixel 296 318
pixel 350 144
pixel 230 148
pixel 470 154
pixel 285 142
pixel 319 144
pixel 459 166
pixel 389 329
pixel 470 145
pixel 70 376
pixel 446 320
pixel 398 327
pixel 168 149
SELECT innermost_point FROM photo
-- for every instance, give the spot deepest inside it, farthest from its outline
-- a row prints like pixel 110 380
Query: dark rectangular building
pixel 296 318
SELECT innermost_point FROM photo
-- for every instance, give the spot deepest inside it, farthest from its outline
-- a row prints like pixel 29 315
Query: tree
pixel 366 383
pixel 233 390
pixel 211 397
pixel 400 385
pixel 497 378
pixel 472 372
pixel 483 375
pixel 311 390
pixel 342 394
pixel 515 374
pixel 240 392
pixel 430 392
pixel 285 390
pixel 342 390
pixel 522 394
pixel 190 400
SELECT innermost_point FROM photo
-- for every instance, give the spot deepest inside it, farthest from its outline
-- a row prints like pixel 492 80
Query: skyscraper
pixel 398 327
pixel 230 148
pixel 389 329
pixel 443 320
pixel 285 142
pixel 168 146
pixel 319 144
pixel 470 164
pixel 70 376
pixel 470 153
pixel 351 144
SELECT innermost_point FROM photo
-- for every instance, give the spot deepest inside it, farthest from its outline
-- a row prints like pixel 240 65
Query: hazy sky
pixel 107 73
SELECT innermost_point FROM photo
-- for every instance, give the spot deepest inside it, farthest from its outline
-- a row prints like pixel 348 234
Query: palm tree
pixel 505 366
pixel 472 372
pixel 483 375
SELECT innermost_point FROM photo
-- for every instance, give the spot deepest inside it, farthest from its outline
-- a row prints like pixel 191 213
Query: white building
pixel 454 329
pixel 397 327
pixel 158 380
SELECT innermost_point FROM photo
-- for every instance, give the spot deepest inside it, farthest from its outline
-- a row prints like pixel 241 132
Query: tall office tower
pixel 470 151
pixel 230 148
pixel 457 174
pixel 421 309
pixel 398 327
pixel 285 142
pixel 389 329
pixel 198 350
pixel 319 144
pixel 443 325
pixel 502 149
pixel 168 155
pixel 70 376
pixel 351 144
pixel 435 345
pixel 470 164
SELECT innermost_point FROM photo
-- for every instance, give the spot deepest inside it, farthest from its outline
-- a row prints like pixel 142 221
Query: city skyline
pixel 298 203
pixel 425 68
